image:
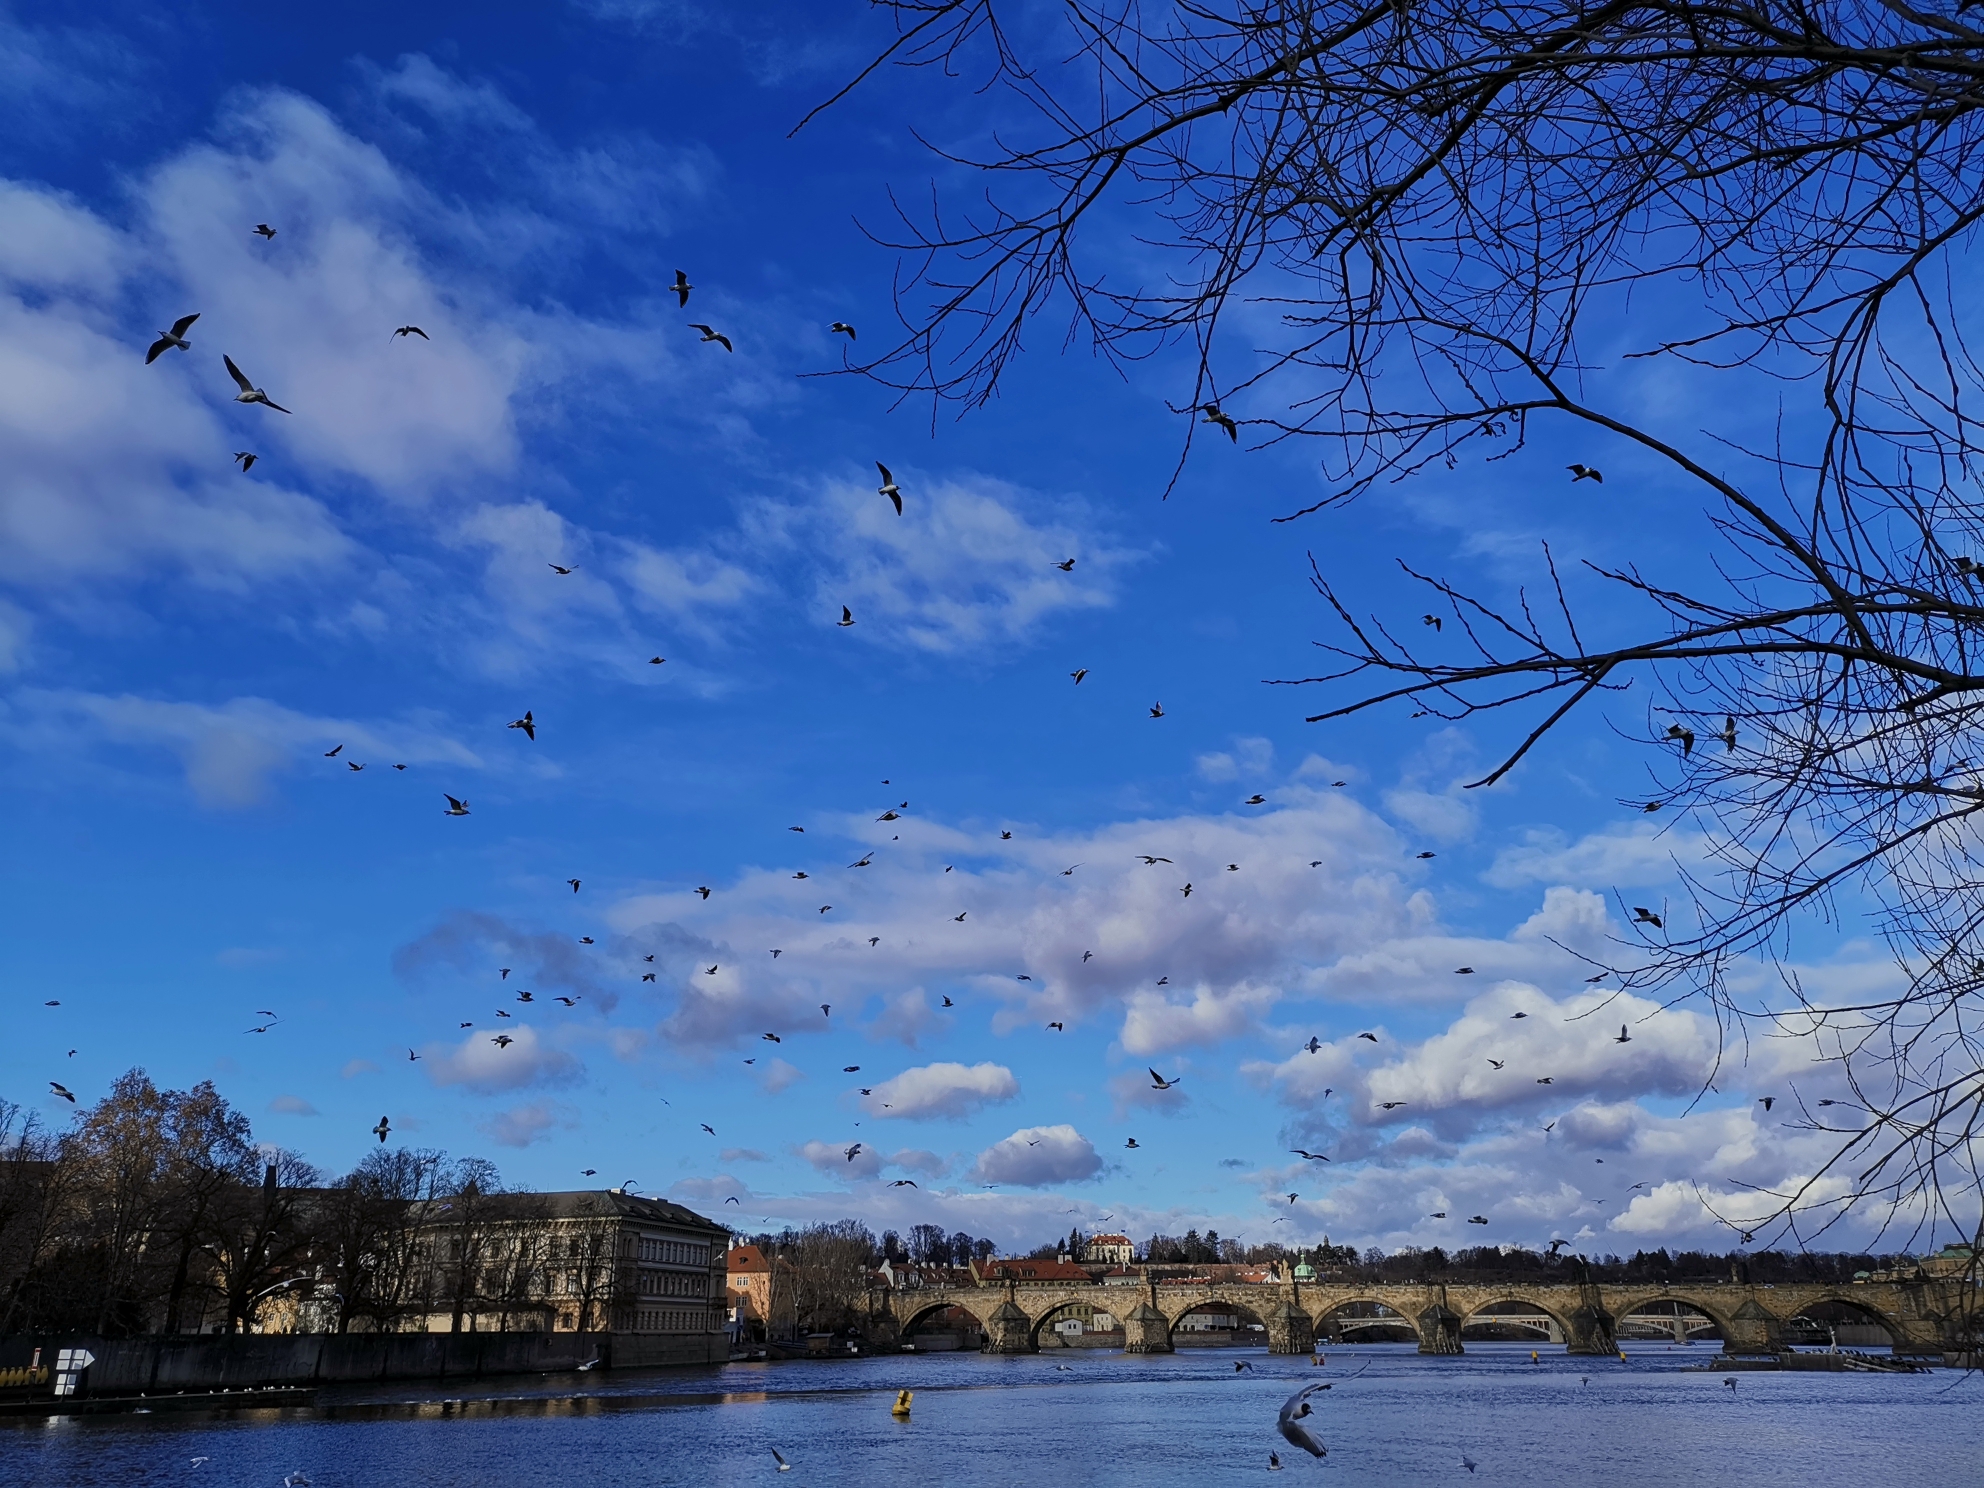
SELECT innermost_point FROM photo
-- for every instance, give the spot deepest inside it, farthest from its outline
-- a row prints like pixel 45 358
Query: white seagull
pixel 249 392
pixel 176 337
pixel 1294 1411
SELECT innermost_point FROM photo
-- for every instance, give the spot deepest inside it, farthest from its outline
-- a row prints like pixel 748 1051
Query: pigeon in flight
pixel 888 487
pixel 1427 855
pixel 411 1056
pixel 682 286
pixel 249 392
pixel 1186 891
pixel 1478 1219
pixel 383 1129
pixel 1463 971
pixel 771 1038
pixel 526 723
pixel 1584 472
pixel 174 339
pixel 949 1003
pixel 842 328
pixel 568 1001
pixel 710 335
pixel 410 330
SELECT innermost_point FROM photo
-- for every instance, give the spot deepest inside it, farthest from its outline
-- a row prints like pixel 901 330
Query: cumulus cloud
pixel 776 1075
pixel 1037 1156
pixel 472 943
pixel 845 1160
pixel 229 750
pixel 522 1125
pixel 948 1091
pixel 1629 856
pixel 481 1065
pixel 969 564
pixel 292 1105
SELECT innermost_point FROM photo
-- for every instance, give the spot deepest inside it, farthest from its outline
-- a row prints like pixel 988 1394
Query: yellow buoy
pixel 1532 1357
pixel 900 1410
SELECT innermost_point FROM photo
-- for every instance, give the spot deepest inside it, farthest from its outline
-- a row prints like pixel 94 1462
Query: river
pixel 1096 1420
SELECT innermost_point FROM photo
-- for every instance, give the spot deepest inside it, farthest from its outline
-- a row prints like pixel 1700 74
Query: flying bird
pixel 174 339
pixel 1294 1412
pixel 1728 738
pixel 1644 916
pixel 854 1152
pixel 1514 1016
pixel 1463 971
pixel 903 1183
pixel 527 723
pixel 783 1465
pixel 706 893
pixel 63 1091
pixel 842 328
pixel 1130 1142
pixel 246 460
pixel 1389 1105
pixel 1550 1080
pixel 1255 800
pixel 560 568
pixel 771 1038
pixel 1078 673
pixel 410 330
pixel 707 1127
pixel 1426 855
pixel 455 807
pixel 383 1129
pixel 411 1056
pixel 1158 1082
pixel 1478 1219
pixel 1584 472
pixel 568 1001
pixel 1768 1101
pixel 1624 1037
pixel 710 335
pixel 709 971
pixel 263 231
pixel 502 1041
pixel 1057 1027
pixel 682 286
pixel 574 883
pixel 1186 891
pixel 1214 416
pixel 249 392
pixel 1066 565
pixel 888 487
pixel 1371 1036
pixel 1432 620
pixel 1150 862
pixel 949 1003
pixel 1157 710
pixel 846 617
pixel 1685 736
pixel 1310 1156
pixel 1314 1045
pixel 1498 1063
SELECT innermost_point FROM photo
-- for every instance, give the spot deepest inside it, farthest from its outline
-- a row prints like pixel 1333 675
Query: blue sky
pixel 181 643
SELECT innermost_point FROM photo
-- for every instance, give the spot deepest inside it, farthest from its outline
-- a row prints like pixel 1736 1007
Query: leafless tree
pixel 1409 230
pixel 260 1237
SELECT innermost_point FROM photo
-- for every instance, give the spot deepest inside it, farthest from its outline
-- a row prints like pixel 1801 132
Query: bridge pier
pixel 1009 1330
pixel 1591 1331
pixel 1439 1330
pixel 1146 1331
pixel 1753 1330
pixel 1290 1330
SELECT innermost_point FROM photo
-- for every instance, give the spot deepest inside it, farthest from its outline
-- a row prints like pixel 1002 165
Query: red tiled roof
pixel 748 1258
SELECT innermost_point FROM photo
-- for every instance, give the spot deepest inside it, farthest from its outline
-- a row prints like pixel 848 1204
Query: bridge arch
pixel 1214 1305
pixel 917 1316
pixel 1363 1320
pixel 1084 1308
pixel 1716 1310
pixel 1513 1307
pixel 1837 1308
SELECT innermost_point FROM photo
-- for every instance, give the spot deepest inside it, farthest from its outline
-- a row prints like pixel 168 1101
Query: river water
pixel 1068 1417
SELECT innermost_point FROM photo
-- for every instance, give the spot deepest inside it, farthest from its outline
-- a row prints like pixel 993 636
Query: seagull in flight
pixel 842 328
pixel 1225 421
pixel 1158 1082
pixel 854 1152
pixel 1584 472
pixel 63 1091
pixel 1311 1156
pixel 455 807
pixel 1314 1046
pixel 527 724
pixel 1294 1412
pixel 383 1129
pixel 263 231
pixel 502 1041
pixel 410 330
pixel 249 392
pixel 246 460
pixel 1624 1037
pixel 1078 673
pixel 682 286
pixel 1157 710
pixel 559 568
pixel 888 487
pixel 710 335
pixel 846 617
pixel 1151 862
pixel 174 339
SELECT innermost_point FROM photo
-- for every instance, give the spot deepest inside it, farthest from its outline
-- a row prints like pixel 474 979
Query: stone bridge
pixel 1920 1317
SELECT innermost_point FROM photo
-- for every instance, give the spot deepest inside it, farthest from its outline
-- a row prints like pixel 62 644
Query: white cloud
pixel 1037 1156
pixel 964 567
pixel 229 750
pixel 951 1091
pixel 1248 757
pixel 292 1105
pixel 1634 855
pixel 845 1160
pixel 520 1126
pixel 776 1075
pixel 480 1064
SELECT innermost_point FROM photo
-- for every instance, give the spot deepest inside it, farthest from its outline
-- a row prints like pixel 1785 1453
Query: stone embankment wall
pixel 214 1362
